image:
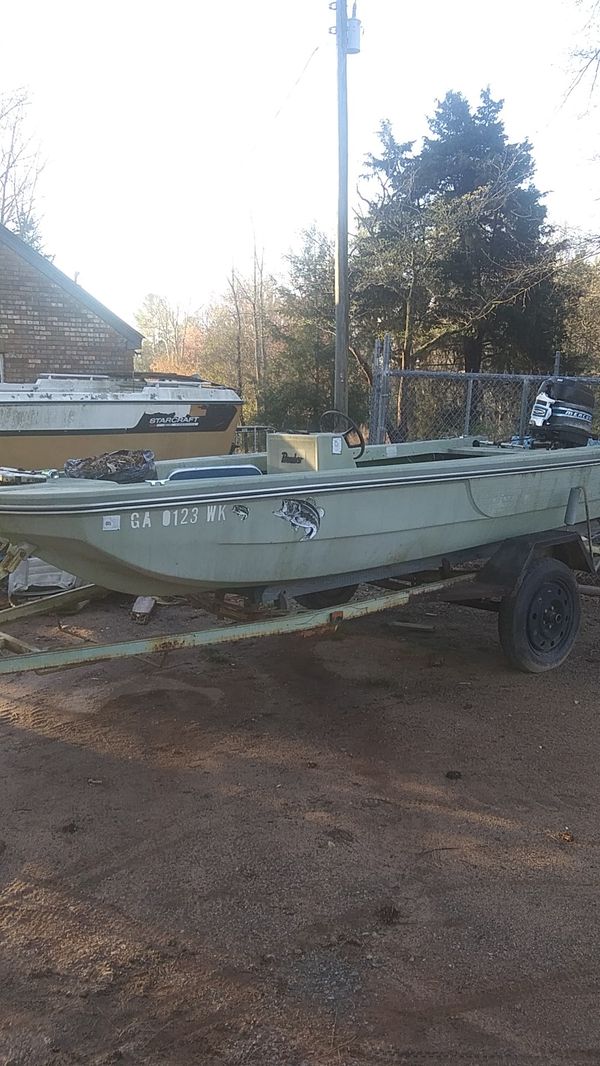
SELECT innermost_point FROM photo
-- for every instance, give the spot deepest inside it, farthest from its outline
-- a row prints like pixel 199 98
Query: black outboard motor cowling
pixel 562 413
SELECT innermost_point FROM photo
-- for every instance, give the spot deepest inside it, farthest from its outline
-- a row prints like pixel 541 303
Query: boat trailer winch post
pixel 302 621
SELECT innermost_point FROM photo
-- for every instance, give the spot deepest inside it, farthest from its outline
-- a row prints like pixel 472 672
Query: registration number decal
pixel 181 516
pixel 172 518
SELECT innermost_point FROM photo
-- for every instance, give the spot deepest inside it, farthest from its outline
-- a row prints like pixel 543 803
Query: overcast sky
pixel 173 131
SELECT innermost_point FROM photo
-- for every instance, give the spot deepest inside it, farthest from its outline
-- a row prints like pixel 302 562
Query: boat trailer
pixel 24 657
pixel 528 581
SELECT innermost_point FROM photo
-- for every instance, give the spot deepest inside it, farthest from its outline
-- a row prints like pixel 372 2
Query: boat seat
pixel 194 472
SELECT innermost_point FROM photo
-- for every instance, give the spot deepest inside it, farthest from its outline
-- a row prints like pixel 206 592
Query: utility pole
pixel 348 42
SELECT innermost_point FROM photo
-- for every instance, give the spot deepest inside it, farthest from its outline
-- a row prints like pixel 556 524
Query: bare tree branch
pixel 20 168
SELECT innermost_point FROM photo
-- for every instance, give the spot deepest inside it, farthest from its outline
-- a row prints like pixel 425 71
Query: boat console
pixel 289 453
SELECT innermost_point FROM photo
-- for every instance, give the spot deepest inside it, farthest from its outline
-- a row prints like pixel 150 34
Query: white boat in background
pixel 65 416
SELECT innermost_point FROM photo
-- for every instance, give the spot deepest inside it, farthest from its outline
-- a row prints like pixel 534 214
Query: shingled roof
pixel 39 262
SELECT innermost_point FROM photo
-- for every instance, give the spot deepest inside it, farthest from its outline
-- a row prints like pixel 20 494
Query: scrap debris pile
pixel 125 467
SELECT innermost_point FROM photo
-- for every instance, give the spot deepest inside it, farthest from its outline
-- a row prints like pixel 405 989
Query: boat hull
pixel 45 424
pixel 277 532
pixel 39 450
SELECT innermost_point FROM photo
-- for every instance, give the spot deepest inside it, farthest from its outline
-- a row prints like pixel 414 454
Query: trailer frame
pixel 487 587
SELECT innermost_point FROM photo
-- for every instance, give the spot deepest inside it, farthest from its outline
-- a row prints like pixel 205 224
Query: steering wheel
pixel 351 427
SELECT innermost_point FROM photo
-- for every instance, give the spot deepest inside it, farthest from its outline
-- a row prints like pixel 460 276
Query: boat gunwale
pixel 116 399
pixel 217 493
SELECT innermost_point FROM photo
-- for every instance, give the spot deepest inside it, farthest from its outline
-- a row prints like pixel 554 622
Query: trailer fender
pixel 506 568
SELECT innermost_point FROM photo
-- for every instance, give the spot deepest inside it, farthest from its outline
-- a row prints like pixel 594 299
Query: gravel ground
pixel 380 848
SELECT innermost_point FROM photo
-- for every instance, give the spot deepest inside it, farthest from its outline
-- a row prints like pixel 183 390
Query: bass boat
pixel 312 513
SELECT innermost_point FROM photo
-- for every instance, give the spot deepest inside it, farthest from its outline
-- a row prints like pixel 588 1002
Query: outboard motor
pixel 562 414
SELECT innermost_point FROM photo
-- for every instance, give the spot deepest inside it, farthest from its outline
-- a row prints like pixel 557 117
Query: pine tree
pixel 454 247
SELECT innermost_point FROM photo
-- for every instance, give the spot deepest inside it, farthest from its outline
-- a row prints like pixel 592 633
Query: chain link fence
pixel 429 405
pixel 250 439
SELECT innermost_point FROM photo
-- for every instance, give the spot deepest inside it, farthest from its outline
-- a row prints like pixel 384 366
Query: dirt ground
pixel 378 848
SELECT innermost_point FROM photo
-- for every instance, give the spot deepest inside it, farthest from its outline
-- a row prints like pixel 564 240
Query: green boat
pixel 313 516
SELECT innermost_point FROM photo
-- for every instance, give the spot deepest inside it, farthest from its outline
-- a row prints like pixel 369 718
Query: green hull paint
pixel 242 532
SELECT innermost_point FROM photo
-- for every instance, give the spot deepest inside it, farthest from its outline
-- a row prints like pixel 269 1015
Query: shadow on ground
pixel 257 856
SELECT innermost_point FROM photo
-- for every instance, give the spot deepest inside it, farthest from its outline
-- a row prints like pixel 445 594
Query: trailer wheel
pixel 538 624
pixel 326 597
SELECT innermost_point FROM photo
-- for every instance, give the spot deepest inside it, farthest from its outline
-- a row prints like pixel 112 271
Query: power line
pixel 296 83
pixel 253 147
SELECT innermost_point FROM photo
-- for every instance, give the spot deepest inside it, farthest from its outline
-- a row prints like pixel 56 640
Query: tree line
pixel 452 255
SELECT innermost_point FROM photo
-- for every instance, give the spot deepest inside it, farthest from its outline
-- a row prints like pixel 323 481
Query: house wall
pixel 43 329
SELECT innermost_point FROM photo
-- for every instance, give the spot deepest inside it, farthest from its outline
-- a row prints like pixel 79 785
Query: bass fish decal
pixel 241 511
pixel 302 515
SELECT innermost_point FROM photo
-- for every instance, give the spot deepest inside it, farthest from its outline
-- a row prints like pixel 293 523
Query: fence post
pixel 384 392
pixel 379 390
pixel 468 406
pixel 375 393
pixel 524 408
pixel 557 364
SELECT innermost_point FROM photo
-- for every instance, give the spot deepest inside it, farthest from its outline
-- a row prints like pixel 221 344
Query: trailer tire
pixel 538 623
